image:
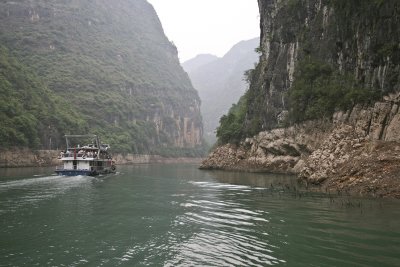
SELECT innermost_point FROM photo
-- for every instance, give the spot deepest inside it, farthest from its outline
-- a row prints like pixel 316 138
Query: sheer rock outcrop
pixel 356 149
pixel 357 152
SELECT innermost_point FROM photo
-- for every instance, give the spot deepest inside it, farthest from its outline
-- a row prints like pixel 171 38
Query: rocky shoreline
pixel 15 158
pixel 357 152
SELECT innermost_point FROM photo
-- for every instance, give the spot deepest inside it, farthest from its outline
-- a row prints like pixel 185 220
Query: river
pixel 177 215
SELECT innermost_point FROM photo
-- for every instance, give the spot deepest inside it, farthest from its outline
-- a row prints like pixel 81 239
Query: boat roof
pixel 72 143
pixel 79 135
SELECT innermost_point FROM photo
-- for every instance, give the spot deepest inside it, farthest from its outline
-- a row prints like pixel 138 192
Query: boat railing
pixel 84 158
pixel 71 156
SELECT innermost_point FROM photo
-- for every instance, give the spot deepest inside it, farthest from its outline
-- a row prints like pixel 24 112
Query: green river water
pixel 177 215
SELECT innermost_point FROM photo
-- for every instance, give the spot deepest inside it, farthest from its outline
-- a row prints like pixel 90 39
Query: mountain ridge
pixel 198 61
pixel 220 82
pixel 112 63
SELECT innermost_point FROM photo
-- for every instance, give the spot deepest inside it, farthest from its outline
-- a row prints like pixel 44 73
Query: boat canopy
pixel 90 141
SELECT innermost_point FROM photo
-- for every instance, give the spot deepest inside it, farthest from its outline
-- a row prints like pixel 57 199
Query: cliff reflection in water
pixel 264 180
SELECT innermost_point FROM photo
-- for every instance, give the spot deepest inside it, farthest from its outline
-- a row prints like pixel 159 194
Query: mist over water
pixel 177 215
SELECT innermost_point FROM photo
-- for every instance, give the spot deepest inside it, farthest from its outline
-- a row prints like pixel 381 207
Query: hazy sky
pixel 207 26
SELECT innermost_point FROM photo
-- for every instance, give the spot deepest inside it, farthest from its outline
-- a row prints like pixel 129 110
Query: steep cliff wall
pixel 355 38
pixel 340 61
pixel 112 64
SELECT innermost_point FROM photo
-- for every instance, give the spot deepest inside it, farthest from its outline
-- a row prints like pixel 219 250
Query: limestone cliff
pixel 111 63
pixel 359 38
pixel 352 146
pixel 358 152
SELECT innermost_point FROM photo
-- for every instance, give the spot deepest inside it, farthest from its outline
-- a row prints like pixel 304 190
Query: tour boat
pixel 88 159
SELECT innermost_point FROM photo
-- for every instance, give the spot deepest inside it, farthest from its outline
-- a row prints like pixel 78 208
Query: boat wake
pixel 20 193
pixel 37 180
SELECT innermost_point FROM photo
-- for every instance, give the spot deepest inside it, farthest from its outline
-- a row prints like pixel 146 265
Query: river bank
pixel 357 151
pixel 14 158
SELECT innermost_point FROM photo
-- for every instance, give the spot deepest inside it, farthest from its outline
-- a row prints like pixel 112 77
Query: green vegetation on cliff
pixel 231 128
pixel 29 112
pixel 319 90
pixel 319 57
pixel 111 63
pixel 231 125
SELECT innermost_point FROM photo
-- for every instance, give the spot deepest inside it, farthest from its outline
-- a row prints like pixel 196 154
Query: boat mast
pixel 66 141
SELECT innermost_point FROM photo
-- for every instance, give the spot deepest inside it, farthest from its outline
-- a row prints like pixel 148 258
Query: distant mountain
pixel 219 81
pixel 198 61
pixel 107 61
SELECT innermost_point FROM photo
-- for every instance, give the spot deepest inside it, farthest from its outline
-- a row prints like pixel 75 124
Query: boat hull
pixel 81 172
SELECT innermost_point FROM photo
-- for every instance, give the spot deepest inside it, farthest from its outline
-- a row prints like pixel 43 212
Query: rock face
pixel 113 65
pixel 351 162
pixel 359 152
pixel 355 150
pixel 280 150
pixel 359 38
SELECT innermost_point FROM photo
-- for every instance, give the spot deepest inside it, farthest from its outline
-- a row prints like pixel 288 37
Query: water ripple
pixel 163 216
pixel 221 223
